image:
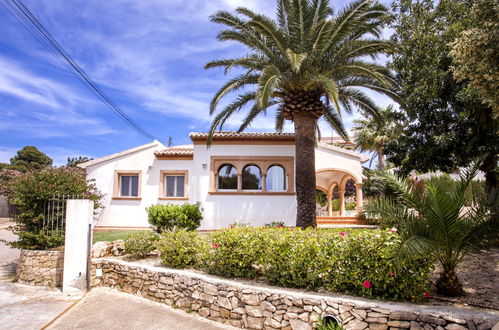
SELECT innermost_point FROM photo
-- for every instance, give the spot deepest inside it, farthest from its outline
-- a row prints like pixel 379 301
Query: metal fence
pixel 54 213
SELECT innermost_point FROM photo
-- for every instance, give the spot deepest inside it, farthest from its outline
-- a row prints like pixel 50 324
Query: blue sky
pixel 148 56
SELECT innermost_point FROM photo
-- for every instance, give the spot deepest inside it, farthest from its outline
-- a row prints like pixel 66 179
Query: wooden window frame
pixel 117 182
pixel 163 174
pixel 263 162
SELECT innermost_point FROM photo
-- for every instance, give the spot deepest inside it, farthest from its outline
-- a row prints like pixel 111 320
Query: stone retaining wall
pixel 40 267
pixel 263 307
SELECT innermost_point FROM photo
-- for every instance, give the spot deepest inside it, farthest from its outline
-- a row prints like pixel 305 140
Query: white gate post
pixel 79 214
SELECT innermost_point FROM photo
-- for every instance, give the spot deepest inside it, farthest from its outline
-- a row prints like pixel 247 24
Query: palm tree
pixel 307 64
pixel 433 219
pixel 374 133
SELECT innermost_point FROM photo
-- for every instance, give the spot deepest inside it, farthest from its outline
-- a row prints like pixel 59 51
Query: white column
pixel 359 199
pixel 342 203
pixel 79 215
pixel 329 205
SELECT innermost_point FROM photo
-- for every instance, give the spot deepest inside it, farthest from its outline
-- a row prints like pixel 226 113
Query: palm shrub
pixel 434 220
pixel 309 63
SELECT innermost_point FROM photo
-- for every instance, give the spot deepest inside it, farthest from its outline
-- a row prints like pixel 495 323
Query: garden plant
pixel 435 219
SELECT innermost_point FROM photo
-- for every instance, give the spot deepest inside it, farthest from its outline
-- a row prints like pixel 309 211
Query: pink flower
pixel 393 230
pixel 215 245
pixel 262 227
pixel 279 226
pixel 292 229
pixel 392 274
pixel 367 284
pixel 426 295
pixel 343 234
pixel 231 227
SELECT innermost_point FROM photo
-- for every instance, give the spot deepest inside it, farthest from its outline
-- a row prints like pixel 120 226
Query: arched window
pixel 227 177
pixel 252 178
pixel 276 178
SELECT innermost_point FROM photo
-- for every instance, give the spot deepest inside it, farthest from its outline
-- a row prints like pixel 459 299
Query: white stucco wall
pixel 222 210
pixel 219 210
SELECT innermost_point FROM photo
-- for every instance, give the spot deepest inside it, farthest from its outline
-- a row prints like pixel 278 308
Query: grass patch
pixel 112 235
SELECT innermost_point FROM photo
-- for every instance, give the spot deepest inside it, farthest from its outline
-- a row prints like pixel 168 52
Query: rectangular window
pixel 175 186
pixel 129 186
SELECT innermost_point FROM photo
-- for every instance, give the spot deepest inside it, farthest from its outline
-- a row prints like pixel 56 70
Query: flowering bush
pixel 357 262
pixel 235 252
pixel 30 192
pixel 181 248
pixel 140 244
pixel 169 216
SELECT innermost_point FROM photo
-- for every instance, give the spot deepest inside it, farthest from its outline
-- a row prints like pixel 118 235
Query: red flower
pixel 279 226
pixel 392 274
pixel 367 284
pixel 262 227
pixel 231 227
pixel 215 245
pixel 343 234
pixel 393 230
pixel 426 295
pixel 292 229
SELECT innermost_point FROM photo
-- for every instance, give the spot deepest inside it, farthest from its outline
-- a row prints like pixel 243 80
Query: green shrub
pixel 30 192
pixel 275 224
pixel 240 225
pixel 350 206
pixel 165 217
pixel 181 248
pixel 236 252
pixel 140 244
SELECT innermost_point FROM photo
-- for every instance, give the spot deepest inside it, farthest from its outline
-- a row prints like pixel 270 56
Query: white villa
pixel 241 177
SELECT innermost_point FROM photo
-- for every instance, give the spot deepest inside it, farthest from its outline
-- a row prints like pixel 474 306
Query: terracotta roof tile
pixel 175 152
pixel 255 136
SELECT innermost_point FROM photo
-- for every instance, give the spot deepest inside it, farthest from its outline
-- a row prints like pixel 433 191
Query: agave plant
pixel 308 63
pixel 434 220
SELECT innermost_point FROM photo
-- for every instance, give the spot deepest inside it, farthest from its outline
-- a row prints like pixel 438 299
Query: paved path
pixel 33 307
pixel 104 308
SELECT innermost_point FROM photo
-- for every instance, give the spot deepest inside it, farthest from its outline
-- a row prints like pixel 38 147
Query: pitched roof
pixel 243 137
pixel 154 143
pixel 183 152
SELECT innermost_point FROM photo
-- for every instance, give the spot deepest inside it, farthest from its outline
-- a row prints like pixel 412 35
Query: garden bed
pixel 479 275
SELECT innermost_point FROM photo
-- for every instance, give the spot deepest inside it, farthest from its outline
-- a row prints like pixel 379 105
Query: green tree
pixel 373 133
pixel 435 221
pixel 30 193
pixel 306 65
pixel 30 158
pixel 476 52
pixel 74 161
pixel 446 124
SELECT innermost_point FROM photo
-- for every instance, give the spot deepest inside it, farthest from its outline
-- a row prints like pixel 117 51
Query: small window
pixel 129 185
pixel 227 177
pixel 252 178
pixel 175 186
pixel 276 178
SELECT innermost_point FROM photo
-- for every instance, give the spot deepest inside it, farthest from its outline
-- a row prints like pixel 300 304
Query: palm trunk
pixel 305 169
pixel 448 284
pixel 381 159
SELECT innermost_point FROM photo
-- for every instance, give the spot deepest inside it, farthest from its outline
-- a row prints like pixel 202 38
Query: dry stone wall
pixel 40 267
pixel 262 307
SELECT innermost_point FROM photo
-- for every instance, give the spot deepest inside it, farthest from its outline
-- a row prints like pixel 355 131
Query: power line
pixel 24 16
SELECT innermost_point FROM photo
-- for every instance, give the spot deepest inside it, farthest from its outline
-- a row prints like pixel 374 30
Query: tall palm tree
pixel 433 219
pixel 307 64
pixel 373 133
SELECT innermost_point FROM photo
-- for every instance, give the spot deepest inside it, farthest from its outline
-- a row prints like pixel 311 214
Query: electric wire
pixel 24 16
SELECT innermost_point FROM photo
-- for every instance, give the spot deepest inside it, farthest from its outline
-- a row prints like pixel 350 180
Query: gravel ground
pixel 480 277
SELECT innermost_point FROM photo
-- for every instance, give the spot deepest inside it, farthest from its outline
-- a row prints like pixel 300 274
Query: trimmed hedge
pixel 356 262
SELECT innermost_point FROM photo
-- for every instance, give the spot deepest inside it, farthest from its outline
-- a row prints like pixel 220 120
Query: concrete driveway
pixel 33 307
pixel 104 308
